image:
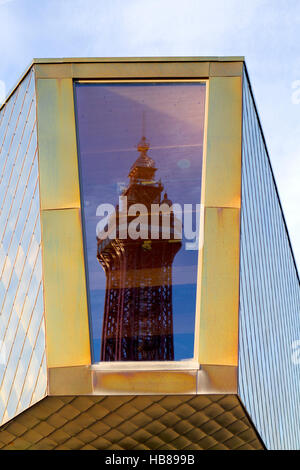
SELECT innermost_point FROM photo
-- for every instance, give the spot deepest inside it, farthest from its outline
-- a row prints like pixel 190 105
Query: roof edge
pixel 137 59
pixel 78 60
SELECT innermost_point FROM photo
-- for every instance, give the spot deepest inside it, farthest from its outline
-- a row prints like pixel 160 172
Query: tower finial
pixel 143 145
pixel 143 160
pixel 143 124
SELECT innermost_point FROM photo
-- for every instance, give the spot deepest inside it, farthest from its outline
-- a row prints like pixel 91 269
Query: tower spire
pixel 143 124
pixel 143 145
pixel 144 166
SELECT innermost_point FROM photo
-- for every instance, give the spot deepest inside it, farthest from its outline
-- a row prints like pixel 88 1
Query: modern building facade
pixel 149 294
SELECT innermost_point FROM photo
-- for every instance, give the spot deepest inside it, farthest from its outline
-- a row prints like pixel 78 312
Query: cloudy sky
pixel 266 32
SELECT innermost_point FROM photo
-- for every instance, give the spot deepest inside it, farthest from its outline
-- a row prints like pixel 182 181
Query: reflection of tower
pixel 138 319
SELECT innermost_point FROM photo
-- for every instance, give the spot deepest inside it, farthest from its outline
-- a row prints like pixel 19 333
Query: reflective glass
pixel 269 377
pixel 12 404
pixel 140 155
pixel 42 377
pixel 20 265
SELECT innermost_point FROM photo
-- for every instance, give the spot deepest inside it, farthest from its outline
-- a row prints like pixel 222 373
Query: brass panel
pixel 215 422
pixel 222 165
pixel 217 379
pixel 224 143
pixel 57 70
pixel 59 182
pixel 144 382
pixel 67 330
pixel 226 69
pixel 67 60
pixel 142 70
pixel 119 70
pixel 219 303
pixel 209 379
pixel 70 380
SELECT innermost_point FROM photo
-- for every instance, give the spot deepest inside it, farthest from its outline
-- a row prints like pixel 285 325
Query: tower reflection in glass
pixel 138 317
pixel 142 303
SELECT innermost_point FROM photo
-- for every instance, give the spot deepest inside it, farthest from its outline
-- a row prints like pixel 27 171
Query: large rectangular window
pixel 140 156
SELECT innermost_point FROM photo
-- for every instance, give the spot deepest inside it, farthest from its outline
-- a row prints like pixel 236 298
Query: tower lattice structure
pixel 138 316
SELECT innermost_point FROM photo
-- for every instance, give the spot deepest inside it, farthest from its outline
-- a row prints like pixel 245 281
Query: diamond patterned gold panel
pixel 23 373
pixel 132 423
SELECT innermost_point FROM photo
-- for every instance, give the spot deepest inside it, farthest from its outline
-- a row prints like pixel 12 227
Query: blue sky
pixel 266 32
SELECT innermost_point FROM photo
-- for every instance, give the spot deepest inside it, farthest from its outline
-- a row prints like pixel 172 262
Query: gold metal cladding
pixel 98 380
pixel 58 165
pixel 216 422
pixel 144 382
pixel 64 65
pixel 226 69
pixel 53 71
pixel 70 381
pixel 66 314
pixel 217 380
pixel 90 380
pixel 143 68
pixel 224 143
pixel 219 302
pixel 67 329
pixel 124 70
pixel 76 60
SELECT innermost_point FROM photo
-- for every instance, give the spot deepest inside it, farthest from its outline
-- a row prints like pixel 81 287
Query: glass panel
pixel 269 297
pixel 140 153
pixel 20 269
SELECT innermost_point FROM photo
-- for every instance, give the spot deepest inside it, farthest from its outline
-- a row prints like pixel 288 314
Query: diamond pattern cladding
pixel 23 371
pixel 136 422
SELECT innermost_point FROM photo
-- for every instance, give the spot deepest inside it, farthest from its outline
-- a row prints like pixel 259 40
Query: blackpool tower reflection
pixel 138 316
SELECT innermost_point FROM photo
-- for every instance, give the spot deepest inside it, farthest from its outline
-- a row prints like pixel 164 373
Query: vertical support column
pixel 66 311
pixel 218 293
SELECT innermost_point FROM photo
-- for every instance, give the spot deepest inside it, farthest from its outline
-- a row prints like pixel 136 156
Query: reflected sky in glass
pixel 111 119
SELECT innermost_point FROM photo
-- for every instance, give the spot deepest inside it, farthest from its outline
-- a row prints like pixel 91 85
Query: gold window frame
pixel 67 327
pixel 159 365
